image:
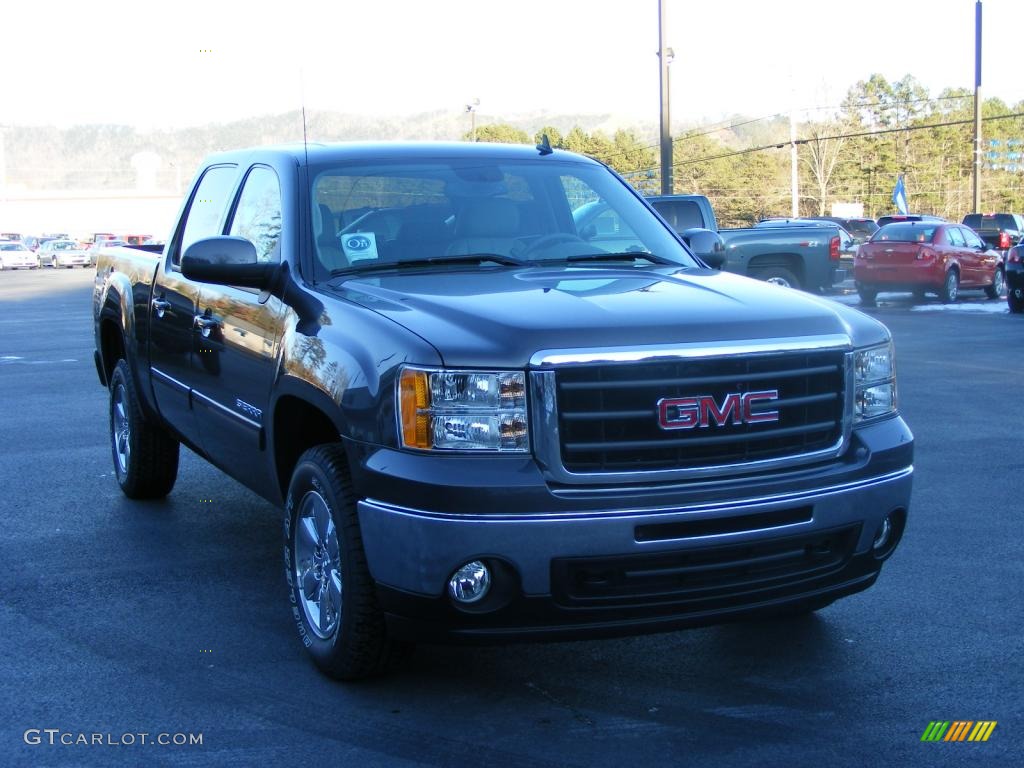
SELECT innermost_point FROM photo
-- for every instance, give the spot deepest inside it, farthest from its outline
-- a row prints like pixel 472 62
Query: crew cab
pixel 486 422
pixel 793 256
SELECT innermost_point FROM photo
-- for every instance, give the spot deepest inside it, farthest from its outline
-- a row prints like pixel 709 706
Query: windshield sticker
pixel 359 246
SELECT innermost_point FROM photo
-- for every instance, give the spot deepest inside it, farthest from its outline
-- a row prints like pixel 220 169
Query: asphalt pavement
pixel 170 618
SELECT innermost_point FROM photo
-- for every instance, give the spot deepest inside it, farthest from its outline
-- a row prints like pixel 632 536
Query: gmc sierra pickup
pixel 487 420
pixel 793 256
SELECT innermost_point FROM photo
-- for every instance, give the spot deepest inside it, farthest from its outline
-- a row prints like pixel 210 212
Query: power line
pixel 780 145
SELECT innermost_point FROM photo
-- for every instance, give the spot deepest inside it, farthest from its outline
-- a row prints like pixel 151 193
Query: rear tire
pixel 778 276
pixel 867 295
pixel 333 597
pixel 145 454
pixel 998 287
pixel 950 288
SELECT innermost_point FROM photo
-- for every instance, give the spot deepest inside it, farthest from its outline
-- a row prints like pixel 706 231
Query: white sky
pixel 146 64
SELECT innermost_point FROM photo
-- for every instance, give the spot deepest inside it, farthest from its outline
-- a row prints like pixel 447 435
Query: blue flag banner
pixel 899 195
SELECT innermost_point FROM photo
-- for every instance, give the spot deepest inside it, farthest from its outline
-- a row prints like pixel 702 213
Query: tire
pixel 145 455
pixel 867 295
pixel 1015 301
pixel 53 263
pixel 333 598
pixel 998 287
pixel 950 288
pixel 778 276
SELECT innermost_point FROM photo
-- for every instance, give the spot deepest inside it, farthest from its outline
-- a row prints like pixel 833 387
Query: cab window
pixel 257 216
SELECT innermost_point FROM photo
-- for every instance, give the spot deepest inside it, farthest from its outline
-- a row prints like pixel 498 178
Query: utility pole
pixel 664 59
pixel 471 108
pixel 977 107
pixel 794 175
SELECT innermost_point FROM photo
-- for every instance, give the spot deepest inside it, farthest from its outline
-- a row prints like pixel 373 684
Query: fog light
pixel 470 583
pixel 883 535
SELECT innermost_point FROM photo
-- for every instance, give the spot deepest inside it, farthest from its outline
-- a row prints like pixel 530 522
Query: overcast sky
pixel 188 63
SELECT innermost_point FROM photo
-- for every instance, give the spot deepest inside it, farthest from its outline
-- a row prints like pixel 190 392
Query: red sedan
pixel 922 256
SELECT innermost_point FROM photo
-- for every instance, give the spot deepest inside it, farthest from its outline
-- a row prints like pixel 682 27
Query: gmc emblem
pixel 701 411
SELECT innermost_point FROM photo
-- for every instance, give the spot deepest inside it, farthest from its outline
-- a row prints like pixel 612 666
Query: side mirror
pixel 706 245
pixel 226 260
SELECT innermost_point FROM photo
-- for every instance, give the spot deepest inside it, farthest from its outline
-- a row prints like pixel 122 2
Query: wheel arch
pixel 321 420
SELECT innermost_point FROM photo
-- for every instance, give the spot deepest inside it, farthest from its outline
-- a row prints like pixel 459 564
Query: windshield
pixel 460 211
pixel 64 245
pixel 12 247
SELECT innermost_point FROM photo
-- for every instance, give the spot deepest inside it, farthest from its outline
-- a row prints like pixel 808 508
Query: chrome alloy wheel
pixel 318 565
pixel 122 429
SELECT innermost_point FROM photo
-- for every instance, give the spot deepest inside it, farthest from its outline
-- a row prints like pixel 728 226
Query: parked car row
pixel 34 243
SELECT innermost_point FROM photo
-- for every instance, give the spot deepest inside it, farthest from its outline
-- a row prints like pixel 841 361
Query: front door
pixel 174 304
pixel 238 341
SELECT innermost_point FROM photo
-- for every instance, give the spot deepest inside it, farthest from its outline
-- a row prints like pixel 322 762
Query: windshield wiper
pixel 429 261
pixel 621 256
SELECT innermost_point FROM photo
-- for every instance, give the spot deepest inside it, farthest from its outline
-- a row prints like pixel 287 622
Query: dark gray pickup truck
pixel 488 421
pixel 793 256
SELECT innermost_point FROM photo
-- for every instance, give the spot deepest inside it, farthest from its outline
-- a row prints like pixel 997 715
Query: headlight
pixel 874 373
pixel 463 410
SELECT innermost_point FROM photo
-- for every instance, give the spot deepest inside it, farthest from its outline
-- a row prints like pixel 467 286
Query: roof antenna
pixel 545 145
pixel 302 90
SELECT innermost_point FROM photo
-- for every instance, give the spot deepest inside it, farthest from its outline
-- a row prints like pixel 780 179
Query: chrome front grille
pixel 605 414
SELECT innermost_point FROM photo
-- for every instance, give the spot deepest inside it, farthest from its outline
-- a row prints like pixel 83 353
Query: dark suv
pixel 861 229
pixel 883 220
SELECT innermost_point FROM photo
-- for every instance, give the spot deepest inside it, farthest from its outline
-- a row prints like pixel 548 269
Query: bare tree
pixel 822 157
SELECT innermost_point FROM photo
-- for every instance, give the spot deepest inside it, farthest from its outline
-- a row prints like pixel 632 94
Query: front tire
pixel 1015 301
pixel 950 288
pixel 145 454
pixel 334 603
pixel 998 287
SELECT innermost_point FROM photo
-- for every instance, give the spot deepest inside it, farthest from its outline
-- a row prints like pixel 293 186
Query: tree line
pixel 853 153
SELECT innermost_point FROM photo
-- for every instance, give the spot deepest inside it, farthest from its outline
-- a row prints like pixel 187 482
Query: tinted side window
pixel 257 217
pixel 680 214
pixel 207 207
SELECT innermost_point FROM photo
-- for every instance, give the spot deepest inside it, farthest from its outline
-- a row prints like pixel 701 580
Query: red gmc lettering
pixel 759 397
pixel 690 412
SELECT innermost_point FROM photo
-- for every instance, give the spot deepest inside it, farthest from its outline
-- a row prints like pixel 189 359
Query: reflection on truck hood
pixel 501 317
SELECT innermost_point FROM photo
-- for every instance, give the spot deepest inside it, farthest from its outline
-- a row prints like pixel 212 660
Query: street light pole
pixel 664 59
pixel 977 107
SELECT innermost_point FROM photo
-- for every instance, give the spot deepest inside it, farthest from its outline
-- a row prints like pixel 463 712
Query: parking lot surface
pixel 120 617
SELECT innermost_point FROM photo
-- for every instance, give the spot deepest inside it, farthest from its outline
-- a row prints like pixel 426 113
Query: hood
pixel 502 317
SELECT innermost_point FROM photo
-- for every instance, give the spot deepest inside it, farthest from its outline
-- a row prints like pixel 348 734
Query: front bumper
pixel 615 561
pixel 1014 276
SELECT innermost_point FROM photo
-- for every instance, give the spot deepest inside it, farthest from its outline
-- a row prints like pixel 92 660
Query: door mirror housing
pixel 706 245
pixel 227 260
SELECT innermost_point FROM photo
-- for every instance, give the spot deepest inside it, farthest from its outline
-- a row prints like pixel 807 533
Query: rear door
pixel 174 301
pixel 238 340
